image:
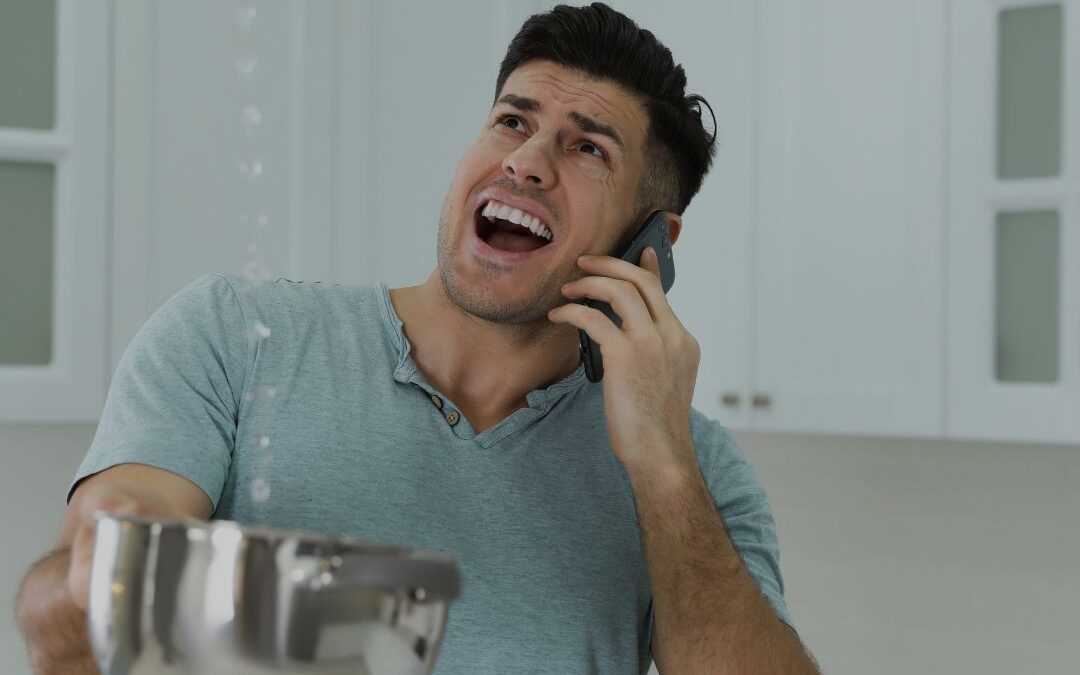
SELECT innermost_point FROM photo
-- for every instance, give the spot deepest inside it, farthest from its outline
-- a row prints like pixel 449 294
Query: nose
pixel 530 164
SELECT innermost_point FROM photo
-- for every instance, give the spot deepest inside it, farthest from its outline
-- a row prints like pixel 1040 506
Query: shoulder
pixel 298 300
pixel 284 289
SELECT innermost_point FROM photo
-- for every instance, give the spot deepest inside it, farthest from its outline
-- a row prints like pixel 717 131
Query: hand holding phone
pixel 653 233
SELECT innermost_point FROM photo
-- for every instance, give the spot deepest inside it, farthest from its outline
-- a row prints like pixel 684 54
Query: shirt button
pixel 452 417
pixel 437 401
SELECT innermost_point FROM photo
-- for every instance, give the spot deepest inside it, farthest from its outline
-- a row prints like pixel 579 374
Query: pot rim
pixel 274 534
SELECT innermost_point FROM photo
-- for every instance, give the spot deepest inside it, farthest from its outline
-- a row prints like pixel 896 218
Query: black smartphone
pixel 653 233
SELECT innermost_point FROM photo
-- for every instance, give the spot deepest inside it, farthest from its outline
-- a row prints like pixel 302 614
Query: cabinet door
pixel 1014 230
pixel 416 83
pixel 54 83
pixel 850 202
pixel 224 153
pixel 712 295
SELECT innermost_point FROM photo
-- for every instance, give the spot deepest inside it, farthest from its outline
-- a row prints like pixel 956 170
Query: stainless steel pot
pixel 173 596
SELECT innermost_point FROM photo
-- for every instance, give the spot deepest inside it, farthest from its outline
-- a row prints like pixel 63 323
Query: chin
pixel 493 303
pixel 489 290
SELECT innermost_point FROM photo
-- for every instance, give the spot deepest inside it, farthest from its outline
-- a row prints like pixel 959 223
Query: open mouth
pixel 506 228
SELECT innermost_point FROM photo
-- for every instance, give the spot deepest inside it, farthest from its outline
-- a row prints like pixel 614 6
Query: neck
pixel 481 365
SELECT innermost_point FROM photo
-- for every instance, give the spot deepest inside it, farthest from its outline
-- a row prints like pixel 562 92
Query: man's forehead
pixel 604 100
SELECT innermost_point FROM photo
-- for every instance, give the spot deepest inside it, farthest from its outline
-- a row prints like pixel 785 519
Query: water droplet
pixel 246 65
pixel 260 490
pixel 261 330
pixel 262 220
pixel 245 16
pixel 250 168
pixel 250 117
pixel 270 392
pixel 254 272
pixel 261 441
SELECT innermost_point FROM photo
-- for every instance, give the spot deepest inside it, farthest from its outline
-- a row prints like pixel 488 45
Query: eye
pixel 598 151
pixel 503 121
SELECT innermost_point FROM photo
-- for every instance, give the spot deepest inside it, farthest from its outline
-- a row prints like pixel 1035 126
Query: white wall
pixel 900 557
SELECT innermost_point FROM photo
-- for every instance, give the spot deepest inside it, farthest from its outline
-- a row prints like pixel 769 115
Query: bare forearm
pixel 710 616
pixel 52 625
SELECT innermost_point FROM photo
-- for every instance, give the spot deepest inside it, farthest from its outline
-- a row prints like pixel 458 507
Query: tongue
pixel 508 241
pixel 508 236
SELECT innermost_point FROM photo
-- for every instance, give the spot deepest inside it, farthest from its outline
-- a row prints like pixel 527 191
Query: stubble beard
pixel 546 293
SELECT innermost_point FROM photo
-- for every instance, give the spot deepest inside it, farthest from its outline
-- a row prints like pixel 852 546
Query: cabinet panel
pixel 28 63
pixel 55 212
pixel 850 202
pixel 224 138
pixel 1028 296
pixel 413 97
pixel 1028 111
pixel 713 291
pixel 1014 222
pixel 26 263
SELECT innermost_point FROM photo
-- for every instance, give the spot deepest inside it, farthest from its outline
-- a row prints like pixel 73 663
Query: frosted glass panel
pixel 1028 296
pixel 1029 92
pixel 26 263
pixel 27 63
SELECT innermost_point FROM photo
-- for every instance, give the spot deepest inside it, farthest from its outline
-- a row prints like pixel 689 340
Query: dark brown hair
pixel 605 44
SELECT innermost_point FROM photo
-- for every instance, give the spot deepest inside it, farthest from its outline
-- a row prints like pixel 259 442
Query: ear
pixel 674 225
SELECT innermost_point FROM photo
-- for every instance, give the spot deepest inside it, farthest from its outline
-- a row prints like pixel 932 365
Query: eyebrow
pixel 586 124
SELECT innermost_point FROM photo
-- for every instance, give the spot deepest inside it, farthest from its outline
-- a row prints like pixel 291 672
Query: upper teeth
pixel 495 209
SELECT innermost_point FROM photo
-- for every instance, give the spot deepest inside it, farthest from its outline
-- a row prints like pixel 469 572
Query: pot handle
pixel 439 577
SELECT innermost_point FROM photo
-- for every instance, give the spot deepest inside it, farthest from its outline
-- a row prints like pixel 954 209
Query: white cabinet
pixel 715 41
pixel 1014 210
pixel 416 83
pixel 54 129
pixel 916 218
pixel 846 290
pixel 224 139
pixel 850 217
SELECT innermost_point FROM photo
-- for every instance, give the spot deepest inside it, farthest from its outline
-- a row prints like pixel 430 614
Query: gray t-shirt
pixel 325 424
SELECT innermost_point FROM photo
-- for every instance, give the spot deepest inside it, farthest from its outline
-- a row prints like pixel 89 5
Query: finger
pixel 650 262
pixel 601 329
pixel 647 281
pixel 669 326
pixel 78 576
pixel 117 502
pixel 623 297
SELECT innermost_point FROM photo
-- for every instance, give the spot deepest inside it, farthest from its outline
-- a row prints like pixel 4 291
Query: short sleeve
pixel 744 507
pixel 175 395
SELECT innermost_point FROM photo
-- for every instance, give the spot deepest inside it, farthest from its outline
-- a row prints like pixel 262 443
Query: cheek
pixel 591 172
pixel 468 175
pixel 470 162
pixel 483 158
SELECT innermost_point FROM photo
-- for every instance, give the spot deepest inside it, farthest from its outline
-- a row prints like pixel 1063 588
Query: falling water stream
pixel 255 222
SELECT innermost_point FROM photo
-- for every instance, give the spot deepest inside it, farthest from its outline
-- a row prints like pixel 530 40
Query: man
pixel 598 526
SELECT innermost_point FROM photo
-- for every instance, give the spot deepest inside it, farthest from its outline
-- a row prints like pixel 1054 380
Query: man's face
pixel 560 146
